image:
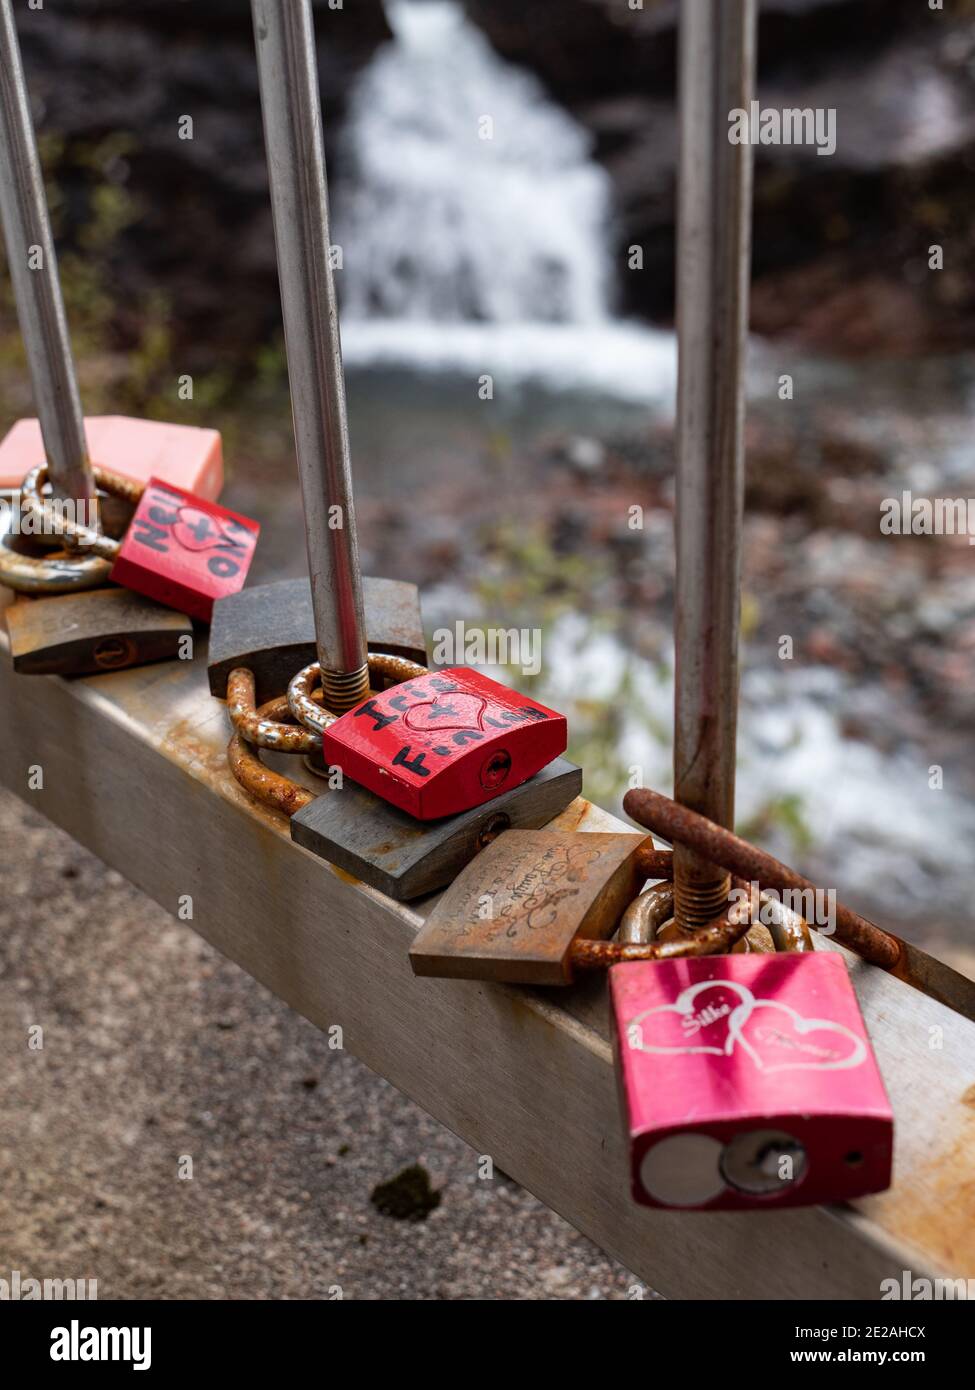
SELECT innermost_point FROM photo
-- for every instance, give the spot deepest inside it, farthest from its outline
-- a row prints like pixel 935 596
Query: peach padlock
pixel 186 456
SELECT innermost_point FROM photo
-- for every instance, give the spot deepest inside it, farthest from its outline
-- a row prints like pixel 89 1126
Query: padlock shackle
pixel 646 914
pixel 259 781
pixel 267 727
pixel 53 519
pixel 715 938
pixel 312 714
pixel 291 105
pixel 34 274
pixel 304 736
pixel 717 845
pixel 717 73
pixel 46 574
pixel 262 730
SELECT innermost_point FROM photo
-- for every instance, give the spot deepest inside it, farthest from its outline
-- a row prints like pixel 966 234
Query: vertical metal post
pixel 34 272
pixel 288 73
pixel 717 62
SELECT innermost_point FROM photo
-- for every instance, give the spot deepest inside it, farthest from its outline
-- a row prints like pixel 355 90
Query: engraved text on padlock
pixel 516 909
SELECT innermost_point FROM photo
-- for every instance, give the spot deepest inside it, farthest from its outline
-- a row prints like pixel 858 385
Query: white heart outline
pixel 736 1023
pixel 801 1025
pixel 683 1005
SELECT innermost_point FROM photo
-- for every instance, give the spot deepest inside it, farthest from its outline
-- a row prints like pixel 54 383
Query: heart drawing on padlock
pixel 782 1040
pixel 447 711
pixel 699 1020
pixel 777 1038
pixel 195 530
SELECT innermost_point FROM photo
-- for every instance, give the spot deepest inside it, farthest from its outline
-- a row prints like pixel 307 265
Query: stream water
pixel 476 250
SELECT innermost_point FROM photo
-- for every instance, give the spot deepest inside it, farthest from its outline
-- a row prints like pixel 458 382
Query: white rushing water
pixel 474 222
pixel 870 814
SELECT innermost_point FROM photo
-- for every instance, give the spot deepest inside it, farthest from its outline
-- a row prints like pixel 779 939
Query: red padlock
pixel 748 1081
pixel 182 550
pixel 445 742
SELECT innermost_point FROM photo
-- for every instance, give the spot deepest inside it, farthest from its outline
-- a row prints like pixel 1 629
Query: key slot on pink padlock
pixel 748 1080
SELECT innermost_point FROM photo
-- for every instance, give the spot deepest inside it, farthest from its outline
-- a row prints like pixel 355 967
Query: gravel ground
pixel 155 1048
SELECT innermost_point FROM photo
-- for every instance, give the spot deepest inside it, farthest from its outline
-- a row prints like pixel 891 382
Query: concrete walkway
pixel 156 1049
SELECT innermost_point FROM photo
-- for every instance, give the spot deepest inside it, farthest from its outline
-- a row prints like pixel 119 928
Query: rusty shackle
pixel 636 937
pixel 61 572
pixel 66 571
pixel 269 730
pixel 291 723
pixel 717 845
pixel 50 516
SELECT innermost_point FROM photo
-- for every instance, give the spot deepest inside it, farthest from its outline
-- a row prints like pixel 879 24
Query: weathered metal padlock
pixel 91 632
pixel 181 550
pixel 270 629
pixel 441 743
pixel 536 906
pixel 748 1081
pixel 515 912
pixel 359 832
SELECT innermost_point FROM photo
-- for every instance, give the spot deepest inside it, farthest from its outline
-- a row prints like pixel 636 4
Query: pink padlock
pixel 748 1081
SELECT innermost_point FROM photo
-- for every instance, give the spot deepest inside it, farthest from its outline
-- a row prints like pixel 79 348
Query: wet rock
pixel 840 256
pixel 112 80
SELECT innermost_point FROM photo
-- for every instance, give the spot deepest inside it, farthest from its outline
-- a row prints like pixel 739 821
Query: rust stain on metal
pixel 574 815
pixel 184 740
pixel 938 1215
pixel 345 876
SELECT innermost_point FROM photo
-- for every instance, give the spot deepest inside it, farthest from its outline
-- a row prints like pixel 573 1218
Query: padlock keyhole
pixel 495 769
pixel 112 652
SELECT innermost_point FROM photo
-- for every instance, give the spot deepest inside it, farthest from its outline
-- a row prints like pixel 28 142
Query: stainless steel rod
pixel 34 272
pixel 285 40
pixel 717 63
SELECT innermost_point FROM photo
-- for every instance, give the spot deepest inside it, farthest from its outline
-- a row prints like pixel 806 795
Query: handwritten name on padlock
pixel 446 742
pixel 714 1050
pixel 184 551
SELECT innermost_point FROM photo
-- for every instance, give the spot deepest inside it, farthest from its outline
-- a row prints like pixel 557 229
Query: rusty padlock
pixel 437 744
pixel 359 832
pixel 94 631
pixel 181 550
pixel 748 1081
pixel 67 621
pixel 536 908
pixel 270 630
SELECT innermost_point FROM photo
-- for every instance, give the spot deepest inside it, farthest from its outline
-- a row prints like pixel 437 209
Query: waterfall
pixel 474 222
